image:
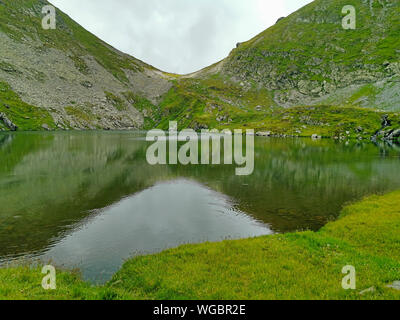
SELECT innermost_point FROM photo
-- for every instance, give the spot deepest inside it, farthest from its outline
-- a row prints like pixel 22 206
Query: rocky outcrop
pixel 308 58
pixel 264 133
pixel 387 132
pixel 7 122
pixel 316 137
pixel 395 285
pixel 392 135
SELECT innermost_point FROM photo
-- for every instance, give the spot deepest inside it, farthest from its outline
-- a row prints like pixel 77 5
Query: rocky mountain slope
pixel 67 78
pixel 309 58
pixel 305 75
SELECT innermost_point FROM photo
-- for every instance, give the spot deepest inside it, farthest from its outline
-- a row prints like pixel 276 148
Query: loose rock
pixel 8 122
pixel 395 285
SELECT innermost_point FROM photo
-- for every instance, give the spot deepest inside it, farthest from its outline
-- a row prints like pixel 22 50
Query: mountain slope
pixel 68 78
pixel 309 58
pixel 304 75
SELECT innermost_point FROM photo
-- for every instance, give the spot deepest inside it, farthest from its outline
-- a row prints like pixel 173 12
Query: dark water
pixel 90 200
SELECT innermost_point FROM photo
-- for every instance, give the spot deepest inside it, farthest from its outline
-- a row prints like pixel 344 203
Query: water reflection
pixel 164 216
pixel 55 186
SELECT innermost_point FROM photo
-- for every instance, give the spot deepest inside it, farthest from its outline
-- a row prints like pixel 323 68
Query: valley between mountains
pixel 304 76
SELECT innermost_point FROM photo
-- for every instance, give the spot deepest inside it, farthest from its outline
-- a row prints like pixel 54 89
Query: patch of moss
pixel 80 64
pixel 78 113
pixel 368 91
pixel 116 101
pixel 9 68
pixel 149 110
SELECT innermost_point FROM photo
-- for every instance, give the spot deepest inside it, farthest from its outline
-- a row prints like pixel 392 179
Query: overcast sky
pixel 178 36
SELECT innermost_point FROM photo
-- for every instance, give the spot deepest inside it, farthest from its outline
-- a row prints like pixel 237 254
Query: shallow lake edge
pixel 231 269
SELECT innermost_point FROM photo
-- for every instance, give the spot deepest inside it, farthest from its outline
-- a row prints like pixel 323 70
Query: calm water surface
pixel 89 200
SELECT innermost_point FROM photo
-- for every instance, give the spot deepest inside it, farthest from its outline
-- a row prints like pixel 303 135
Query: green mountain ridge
pixel 310 58
pixel 305 75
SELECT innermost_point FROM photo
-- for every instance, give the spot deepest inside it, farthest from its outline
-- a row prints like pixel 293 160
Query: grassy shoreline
pixel 302 265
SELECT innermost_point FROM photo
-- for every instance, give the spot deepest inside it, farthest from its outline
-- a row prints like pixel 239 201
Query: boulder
pixel 316 137
pixel 264 134
pixel 385 121
pixel 222 118
pixel 8 123
pixel 394 135
pixel 87 84
pixel 395 285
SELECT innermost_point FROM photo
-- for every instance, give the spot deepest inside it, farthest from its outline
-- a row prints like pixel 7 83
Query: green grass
pixel 80 64
pixel 82 114
pixel 196 103
pixel 200 102
pixel 24 283
pixel 24 115
pixel 302 265
pixel 327 121
pixel 149 110
pixel 116 101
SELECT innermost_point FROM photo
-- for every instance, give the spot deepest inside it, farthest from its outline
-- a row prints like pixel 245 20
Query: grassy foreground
pixel 304 265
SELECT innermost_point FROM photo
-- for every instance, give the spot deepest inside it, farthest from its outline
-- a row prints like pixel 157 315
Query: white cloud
pixel 178 36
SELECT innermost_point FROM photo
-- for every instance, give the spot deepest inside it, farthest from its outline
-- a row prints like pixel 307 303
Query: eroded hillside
pixel 67 78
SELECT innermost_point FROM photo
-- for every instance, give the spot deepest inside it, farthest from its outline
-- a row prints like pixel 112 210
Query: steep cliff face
pixel 68 78
pixel 309 58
